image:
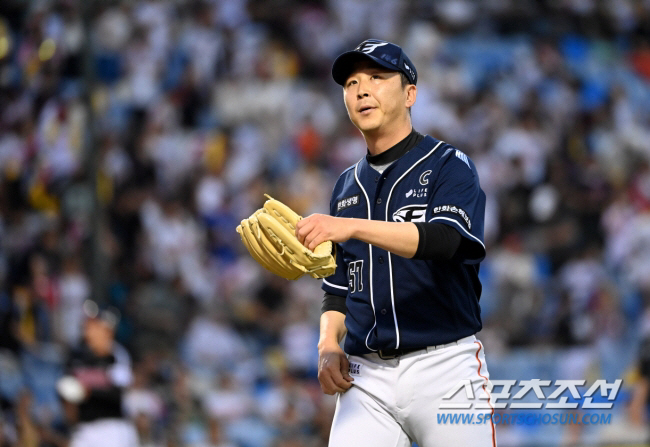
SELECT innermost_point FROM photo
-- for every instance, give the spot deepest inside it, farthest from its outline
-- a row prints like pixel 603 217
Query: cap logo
pixel 369 47
pixel 410 70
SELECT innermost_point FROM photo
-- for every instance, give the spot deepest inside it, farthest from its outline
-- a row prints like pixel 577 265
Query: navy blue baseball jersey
pixel 395 302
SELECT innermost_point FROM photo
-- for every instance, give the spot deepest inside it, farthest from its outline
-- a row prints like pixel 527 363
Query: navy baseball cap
pixel 386 54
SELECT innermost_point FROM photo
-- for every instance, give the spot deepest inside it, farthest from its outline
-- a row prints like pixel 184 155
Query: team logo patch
pixel 355 369
pixel 456 210
pixel 347 202
pixel 410 213
pixel 424 178
pixel 370 45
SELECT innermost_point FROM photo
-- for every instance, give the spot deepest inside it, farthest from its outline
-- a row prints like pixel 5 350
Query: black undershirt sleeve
pixel 333 302
pixel 438 242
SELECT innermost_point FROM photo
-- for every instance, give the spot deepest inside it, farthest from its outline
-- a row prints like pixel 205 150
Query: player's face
pixel 98 336
pixel 375 98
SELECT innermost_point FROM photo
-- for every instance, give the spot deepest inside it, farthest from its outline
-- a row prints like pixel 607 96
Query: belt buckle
pixel 387 356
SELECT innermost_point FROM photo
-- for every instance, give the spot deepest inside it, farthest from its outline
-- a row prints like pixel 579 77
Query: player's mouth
pixel 366 110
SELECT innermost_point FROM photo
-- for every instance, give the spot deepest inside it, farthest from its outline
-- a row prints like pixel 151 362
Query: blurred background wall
pixel 200 107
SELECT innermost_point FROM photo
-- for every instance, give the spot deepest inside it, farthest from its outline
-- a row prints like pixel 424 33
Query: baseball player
pixel 97 375
pixel 407 220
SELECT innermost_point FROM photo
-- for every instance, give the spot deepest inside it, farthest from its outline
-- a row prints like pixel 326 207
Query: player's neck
pixel 379 141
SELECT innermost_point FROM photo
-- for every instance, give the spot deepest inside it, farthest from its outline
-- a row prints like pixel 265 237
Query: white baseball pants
pixel 395 402
pixel 105 433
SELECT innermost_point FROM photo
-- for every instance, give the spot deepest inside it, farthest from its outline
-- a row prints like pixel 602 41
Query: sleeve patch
pixel 455 210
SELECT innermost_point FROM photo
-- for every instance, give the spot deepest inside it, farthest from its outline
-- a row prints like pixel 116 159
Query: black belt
pixel 387 354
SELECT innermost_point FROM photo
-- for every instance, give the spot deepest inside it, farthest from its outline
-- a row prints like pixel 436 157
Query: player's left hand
pixel 333 367
pixel 317 228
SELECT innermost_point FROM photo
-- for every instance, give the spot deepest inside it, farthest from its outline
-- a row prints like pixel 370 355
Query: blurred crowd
pixel 201 107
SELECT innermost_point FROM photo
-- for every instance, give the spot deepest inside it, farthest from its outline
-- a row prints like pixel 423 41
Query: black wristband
pixel 438 242
pixel 333 302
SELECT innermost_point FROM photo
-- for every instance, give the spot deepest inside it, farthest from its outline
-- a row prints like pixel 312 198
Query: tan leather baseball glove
pixel 269 235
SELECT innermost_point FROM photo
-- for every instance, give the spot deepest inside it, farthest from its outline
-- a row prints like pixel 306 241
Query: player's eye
pixel 350 83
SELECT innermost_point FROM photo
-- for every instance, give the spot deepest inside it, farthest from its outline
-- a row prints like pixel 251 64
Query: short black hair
pixel 405 82
pixel 404 79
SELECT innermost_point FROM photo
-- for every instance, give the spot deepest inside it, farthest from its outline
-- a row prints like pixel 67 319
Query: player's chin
pixel 366 124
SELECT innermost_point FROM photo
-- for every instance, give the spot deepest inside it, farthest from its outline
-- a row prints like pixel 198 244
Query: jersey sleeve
pixel 337 284
pixel 459 202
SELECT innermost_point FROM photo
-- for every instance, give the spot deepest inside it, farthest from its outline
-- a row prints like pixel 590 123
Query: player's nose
pixel 362 90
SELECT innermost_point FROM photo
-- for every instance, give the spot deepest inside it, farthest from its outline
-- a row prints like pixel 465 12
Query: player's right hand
pixel 333 368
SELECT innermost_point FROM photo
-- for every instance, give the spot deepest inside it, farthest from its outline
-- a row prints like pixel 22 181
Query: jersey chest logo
pixel 416 192
pixel 347 202
pixel 410 213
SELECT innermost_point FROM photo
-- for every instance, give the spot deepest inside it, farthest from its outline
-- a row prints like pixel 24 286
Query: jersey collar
pixel 396 151
pixel 367 173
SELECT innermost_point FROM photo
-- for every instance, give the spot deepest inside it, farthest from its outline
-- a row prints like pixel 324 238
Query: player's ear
pixel 411 94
